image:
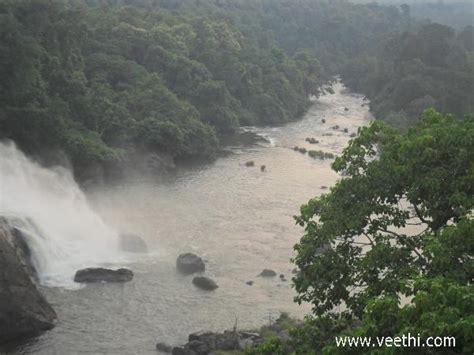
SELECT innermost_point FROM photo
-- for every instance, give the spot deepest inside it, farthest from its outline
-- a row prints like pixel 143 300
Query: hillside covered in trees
pixel 101 80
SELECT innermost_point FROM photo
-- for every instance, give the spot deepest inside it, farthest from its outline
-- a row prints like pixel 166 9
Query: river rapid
pixel 238 218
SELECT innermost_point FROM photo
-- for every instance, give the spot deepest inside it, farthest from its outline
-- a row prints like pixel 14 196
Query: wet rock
pixel 335 127
pixel 353 135
pixel 210 342
pixel 250 283
pixel 346 130
pixel 93 275
pixel 250 163
pixel 205 283
pixel 23 309
pixel 323 121
pixel 133 243
pixel 346 109
pixel 324 187
pixel 190 263
pixel 180 351
pixel 226 341
pixel 268 273
pixel 164 348
pixel 199 347
pixel 262 168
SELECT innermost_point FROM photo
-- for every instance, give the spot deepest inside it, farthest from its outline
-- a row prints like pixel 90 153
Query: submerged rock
pixel 205 283
pixel 23 309
pixel 133 243
pixel 268 273
pixel 92 275
pixel 190 263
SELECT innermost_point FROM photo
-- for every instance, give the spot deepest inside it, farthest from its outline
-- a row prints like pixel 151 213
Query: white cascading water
pixel 62 231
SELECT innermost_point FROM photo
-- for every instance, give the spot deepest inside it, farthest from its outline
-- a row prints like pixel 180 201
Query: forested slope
pixel 104 79
pixel 426 66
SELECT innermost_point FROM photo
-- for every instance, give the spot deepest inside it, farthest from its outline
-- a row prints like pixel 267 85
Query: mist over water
pixel 47 205
pixel 238 218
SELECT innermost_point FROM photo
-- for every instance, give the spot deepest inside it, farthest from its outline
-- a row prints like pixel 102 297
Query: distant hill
pixel 457 14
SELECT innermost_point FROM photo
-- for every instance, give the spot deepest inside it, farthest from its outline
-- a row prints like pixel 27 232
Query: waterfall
pixel 63 232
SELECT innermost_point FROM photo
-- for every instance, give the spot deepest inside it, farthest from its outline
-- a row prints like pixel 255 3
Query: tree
pixel 356 245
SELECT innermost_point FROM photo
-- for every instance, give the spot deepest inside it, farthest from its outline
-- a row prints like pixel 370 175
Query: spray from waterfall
pixel 48 207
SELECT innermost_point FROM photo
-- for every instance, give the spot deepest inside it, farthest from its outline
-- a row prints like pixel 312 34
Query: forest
pixel 103 79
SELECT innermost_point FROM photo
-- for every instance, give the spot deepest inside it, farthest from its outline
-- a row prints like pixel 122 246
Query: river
pixel 238 218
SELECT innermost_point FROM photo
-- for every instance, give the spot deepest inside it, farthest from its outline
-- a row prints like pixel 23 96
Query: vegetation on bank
pixel 102 79
pixel 425 66
pixel 389 250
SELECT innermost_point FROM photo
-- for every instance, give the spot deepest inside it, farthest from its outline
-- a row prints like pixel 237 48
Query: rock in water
pixel 205 283
pixel 268 273
pixel 164 348
pixel 133 243
pixel 190 263
pixel 91 275
pixel 23 309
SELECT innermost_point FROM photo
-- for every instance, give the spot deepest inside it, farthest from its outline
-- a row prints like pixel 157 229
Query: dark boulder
pixel 204 283
pixel 91 275
pixel 199 347
pixel 23 309
pixel 268 273
pixel 178 350
pixel 190 263
pixel 210 343
pixel 133 243
pixel 164 348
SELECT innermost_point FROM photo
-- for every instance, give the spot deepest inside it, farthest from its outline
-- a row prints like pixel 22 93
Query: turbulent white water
pixel 47 205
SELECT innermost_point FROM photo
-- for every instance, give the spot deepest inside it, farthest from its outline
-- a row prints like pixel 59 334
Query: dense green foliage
pixel 426 66
pixel 397 226
pixel 103 79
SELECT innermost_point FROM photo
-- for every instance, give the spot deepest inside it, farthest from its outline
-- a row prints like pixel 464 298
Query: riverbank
pixel 236 217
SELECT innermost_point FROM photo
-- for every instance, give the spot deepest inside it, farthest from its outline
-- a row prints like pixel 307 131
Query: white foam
pixel 63 231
